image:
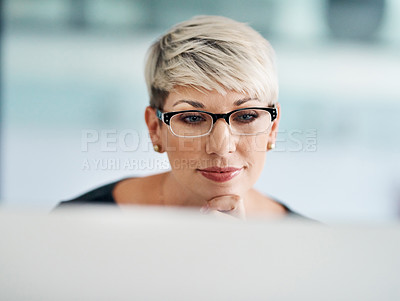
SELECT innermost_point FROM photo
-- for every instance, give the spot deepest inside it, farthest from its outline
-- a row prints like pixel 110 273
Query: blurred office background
pixel 73 67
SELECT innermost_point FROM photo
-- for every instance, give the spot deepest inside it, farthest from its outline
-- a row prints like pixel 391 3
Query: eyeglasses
pixel 195 123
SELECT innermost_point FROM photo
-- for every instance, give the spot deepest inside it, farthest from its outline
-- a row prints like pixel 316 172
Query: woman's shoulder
pixel 99 196
pixel 294 214
pixel 115 193
pixel 273 205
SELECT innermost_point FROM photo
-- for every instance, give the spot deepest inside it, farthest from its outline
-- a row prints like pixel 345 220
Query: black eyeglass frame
pixel 166 116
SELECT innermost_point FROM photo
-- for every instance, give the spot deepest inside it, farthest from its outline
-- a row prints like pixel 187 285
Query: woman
pixel 213 109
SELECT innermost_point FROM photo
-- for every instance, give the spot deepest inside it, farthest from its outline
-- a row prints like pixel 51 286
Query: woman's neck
pixel 164 190
pixel 172 193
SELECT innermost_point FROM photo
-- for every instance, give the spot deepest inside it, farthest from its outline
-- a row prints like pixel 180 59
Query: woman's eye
pixel 192 118
pixel 246 117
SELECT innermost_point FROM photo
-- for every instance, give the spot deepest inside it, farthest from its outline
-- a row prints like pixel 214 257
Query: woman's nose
pixel 220 141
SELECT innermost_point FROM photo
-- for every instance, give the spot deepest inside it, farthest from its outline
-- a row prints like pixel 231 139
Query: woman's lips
pixel 219 174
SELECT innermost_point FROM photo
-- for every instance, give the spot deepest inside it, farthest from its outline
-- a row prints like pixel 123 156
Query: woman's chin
pixel 212 191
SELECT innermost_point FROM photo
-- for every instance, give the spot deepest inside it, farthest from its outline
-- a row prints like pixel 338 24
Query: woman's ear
pixel 274 128
pixel 153 125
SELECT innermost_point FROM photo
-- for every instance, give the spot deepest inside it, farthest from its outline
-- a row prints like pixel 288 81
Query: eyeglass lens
pixel 244 122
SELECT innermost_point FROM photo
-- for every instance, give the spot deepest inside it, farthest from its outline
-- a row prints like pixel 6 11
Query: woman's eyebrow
pixel 243 100
pixel 197 104
pixel 193 103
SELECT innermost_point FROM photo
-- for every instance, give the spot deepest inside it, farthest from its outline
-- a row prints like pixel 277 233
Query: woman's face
pixel 220 163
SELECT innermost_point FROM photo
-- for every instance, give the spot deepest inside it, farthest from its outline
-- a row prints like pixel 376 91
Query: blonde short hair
pixel 211 53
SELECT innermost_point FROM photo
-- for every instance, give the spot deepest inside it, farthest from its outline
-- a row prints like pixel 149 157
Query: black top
pixel 103 196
